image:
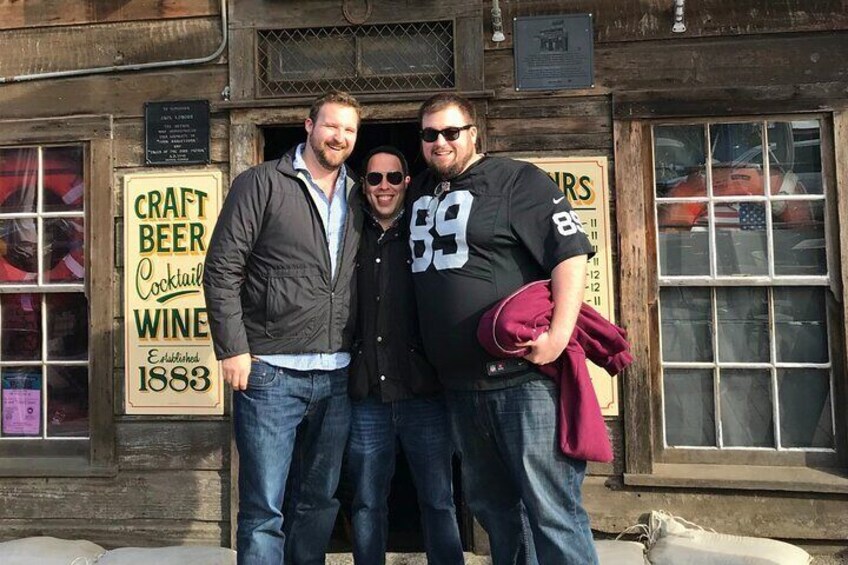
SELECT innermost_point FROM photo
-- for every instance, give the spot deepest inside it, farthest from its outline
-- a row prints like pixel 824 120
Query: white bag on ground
pixel 49 551
pixel 177 555
pixel 614 552
pixel 675 541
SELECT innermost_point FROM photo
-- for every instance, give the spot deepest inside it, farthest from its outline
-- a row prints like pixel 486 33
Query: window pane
pixel 67 401
pixel 67 326
pixel 799 243
pixel 21 327
pixel 682 252
pixel 743 324
pixel 64 255
pixel 310 57
pixel 18 180
pixel 795 147
pixel 800 324
pixel 64 187
pixel 21 398
pixel 735 145
pixel 18 251
pixel 687 333
pixel 679 158
pixel 805 415
pixel 689 407
pixel 746 408
pixel 741 238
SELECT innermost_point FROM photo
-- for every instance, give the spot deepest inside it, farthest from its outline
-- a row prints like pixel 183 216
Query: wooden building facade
pixel 727 147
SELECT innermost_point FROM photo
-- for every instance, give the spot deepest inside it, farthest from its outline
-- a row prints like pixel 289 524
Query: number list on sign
pixel 583 180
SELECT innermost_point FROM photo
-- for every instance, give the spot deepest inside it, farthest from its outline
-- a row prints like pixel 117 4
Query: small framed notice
pixel 553 52
pixel 176 133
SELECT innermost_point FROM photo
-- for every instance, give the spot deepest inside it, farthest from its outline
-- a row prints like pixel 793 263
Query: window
pixel 56 364
pixel 368 58
pixel 745 307
pixel 43 310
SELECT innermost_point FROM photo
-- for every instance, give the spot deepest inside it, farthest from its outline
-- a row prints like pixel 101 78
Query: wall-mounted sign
pixel 553 52
pixel 584 181
pixel 176 133
pixel 170 367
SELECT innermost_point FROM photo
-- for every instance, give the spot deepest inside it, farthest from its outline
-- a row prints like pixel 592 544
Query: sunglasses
pixel 394 177
pixel 450 134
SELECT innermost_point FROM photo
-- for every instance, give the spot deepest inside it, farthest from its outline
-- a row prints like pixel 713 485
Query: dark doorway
pixel 405 534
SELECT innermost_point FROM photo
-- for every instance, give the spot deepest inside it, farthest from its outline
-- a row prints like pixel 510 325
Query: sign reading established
pixel 584 182
pixel 170 365
pixel 176 133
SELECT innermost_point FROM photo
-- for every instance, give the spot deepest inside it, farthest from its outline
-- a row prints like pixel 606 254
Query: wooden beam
pixel 159 495
pixel 122 94
pixel 632 169
pixel 44 13
pixel 616 21
pixel 33 51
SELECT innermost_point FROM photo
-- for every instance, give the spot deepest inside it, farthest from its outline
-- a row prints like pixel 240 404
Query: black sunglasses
pixel 394 177
pixel 450 134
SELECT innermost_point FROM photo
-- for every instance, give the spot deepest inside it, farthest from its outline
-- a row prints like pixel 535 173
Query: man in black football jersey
pixel 480 228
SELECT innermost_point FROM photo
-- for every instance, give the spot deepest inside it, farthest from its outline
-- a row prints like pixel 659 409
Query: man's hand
pixel 568 280
pixel 544 349
pixel 236 370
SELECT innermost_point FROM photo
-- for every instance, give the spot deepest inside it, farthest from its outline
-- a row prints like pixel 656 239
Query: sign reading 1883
pixel 170 364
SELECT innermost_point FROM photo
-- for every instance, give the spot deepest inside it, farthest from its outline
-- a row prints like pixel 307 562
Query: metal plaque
pixel 176 133
pixel 553 52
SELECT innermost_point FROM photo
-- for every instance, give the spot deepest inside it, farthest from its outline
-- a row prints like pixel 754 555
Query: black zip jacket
pixel 267 277
pixel 388 360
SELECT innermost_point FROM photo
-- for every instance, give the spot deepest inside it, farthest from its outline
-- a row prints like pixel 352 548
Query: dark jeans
pixel 289 425
pixel 510 455
pixel 422 428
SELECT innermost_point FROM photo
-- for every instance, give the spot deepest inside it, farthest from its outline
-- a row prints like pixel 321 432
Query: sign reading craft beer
pixel 584 181
pixel 170 365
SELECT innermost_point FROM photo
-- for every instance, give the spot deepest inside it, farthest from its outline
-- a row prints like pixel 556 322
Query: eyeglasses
pixel 394 177
pixel 450 134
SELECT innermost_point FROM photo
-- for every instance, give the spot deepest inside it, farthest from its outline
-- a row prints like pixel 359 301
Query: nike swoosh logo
pixel 558 200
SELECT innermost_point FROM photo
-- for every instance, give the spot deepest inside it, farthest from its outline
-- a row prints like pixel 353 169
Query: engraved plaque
pixel 553 52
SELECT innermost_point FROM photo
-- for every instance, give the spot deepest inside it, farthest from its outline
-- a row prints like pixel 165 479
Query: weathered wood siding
pixel 738 57
pixel 172 484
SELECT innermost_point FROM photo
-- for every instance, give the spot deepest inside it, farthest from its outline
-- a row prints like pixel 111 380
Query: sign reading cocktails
pixel 170 364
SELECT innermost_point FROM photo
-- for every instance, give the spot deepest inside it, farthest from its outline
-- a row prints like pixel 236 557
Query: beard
pixel 330 160
pixel 450 170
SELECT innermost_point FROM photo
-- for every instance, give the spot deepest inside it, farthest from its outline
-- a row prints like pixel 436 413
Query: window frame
pixel 647 460
pixel 96 455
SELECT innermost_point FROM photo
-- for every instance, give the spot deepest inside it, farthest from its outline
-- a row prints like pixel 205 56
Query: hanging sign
pixel 170 365
pixel 585 182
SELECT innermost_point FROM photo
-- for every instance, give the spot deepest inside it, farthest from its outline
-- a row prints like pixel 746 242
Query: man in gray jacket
pixel 279 283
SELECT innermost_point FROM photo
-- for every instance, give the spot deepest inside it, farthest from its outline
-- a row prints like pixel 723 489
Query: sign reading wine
pixel 169 361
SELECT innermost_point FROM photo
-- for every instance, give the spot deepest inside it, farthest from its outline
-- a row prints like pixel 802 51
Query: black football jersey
pixel 475 239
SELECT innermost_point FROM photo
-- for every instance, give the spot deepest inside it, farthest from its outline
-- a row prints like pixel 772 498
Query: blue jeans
pixel 422 428
pixel 511 462
pixel 290 429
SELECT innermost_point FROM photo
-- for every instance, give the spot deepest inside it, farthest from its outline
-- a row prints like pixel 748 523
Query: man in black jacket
pixel 394 388
pixel 279 284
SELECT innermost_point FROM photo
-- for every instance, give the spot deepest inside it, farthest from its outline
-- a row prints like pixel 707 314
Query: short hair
pixel 334 97
pixel 385 149
pixel 443 100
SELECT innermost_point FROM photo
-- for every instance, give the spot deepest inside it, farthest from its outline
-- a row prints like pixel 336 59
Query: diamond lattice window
pixel 374 58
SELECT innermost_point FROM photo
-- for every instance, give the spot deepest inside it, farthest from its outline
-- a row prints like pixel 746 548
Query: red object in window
pixel 735 181
pixel 63 184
